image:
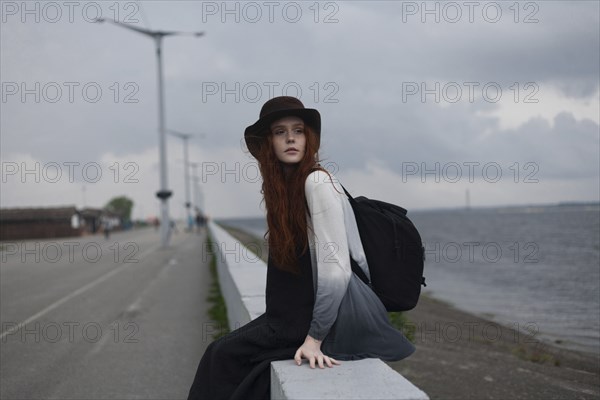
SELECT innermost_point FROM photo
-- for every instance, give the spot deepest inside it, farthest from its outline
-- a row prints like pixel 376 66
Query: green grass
pixel 218 311
pixel 402 323
pixel 535 354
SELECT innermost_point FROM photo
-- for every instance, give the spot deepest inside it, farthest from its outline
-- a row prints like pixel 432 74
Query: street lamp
pixel 163 194
pixel 185 137
pixel 196 180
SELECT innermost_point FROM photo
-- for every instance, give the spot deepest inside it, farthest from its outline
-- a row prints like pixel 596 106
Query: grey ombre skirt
pixel 363 330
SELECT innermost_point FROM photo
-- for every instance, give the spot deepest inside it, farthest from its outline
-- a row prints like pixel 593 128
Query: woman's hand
pixel 311 350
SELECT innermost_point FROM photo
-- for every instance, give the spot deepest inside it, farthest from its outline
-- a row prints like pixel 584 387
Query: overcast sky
pixel 418 103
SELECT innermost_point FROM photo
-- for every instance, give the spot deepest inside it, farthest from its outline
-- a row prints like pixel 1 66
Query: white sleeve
pixel 331 249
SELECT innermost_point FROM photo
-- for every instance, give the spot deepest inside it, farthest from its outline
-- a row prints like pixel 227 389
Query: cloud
pixel 355 71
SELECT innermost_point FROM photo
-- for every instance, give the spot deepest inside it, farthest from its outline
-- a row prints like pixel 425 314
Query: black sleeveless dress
pixel 237 366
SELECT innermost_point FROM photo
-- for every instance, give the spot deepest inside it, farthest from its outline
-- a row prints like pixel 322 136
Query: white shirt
pixel 334 241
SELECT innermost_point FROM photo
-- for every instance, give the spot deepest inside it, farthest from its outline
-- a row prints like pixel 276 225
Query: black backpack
pixel 394 251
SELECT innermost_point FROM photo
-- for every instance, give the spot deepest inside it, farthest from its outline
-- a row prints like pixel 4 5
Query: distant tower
pixel 467 200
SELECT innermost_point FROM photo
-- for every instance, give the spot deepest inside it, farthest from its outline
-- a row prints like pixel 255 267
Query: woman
pixel 316 308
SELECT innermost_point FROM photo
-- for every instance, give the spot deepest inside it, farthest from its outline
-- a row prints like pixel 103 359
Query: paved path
pixel 116 319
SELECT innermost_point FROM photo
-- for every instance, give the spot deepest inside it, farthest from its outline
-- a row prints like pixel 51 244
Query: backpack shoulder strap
pixel 319 167
pixel 345 191
pixel 350 198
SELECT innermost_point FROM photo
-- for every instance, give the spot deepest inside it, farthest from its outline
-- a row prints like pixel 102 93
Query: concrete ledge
pixel 242 276
pixel 362 379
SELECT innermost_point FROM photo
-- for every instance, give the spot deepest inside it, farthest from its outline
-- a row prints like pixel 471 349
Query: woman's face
pixel 288 133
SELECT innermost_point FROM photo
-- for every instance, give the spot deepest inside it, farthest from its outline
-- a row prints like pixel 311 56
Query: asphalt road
pixel 89 318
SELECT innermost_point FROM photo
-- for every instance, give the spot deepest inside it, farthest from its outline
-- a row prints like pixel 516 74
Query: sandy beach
pixel 463 356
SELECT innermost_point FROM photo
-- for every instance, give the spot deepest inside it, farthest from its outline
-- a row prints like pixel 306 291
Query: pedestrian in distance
pixel 317 309
pixel 173 227
pixel 106 227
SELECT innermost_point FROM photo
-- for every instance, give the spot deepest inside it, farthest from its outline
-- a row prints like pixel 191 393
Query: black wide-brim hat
pixel 272 110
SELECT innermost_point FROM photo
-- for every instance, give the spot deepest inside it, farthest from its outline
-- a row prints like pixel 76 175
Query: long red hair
pixel 285 200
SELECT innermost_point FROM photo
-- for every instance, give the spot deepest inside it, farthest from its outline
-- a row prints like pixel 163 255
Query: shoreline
pixel 526 328
pixel 462 355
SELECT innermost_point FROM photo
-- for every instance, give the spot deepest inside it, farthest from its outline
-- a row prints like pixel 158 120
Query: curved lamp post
pixel 163 194
pixel 185 137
